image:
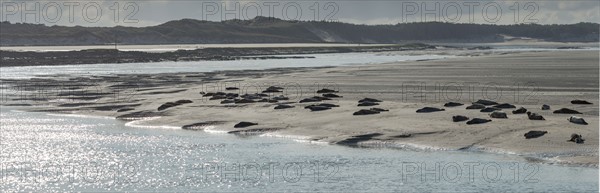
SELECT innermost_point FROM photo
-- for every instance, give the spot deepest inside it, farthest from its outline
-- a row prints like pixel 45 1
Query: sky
pixel 139 13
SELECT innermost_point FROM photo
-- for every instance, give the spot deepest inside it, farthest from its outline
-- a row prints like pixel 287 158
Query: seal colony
pixel 341 105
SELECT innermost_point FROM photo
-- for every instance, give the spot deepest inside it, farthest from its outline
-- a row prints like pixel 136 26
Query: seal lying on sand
pixel 282 106
pixel 498 115
pixel 576 138
pixel 545 107
pixel 520 111
pixel 323 105
pixel 477 121
pixel 534 116
pixel 244 124
pixel 330 95
pixel 379 109
pixel 577 120
pixel 232 88
pixel 365 112
pixel 489 109
pixel 281 98
pixel 272 89
pixel 310 100
pixel 534 134
pixel 317 108
pixel 366 104
pixel 453 104
pixel 486 102
pixel 369 100
pixel 429 110
pixel 581 102
pixel 505 106
pixel 476 106
pixel 326 91
pixel 173 104
pixel 566 111
pixel 459 118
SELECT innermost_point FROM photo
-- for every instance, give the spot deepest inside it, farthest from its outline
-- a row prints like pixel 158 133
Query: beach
pixel 524 79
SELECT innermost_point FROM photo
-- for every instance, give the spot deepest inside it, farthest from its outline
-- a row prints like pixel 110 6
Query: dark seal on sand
pixel 489 109
pixel 478 121
pixel 282 106
pixel 535 116
pixel 173 104
pixel 369 100
pixel 366 104
pixel 498 115
pixel 317 108
pixel 365 112
pixel 453 104
pixel 326 91
pixel 232 88
pixel 534 134
pixel 330 95
pixel 520 111
pixel 476 106
pixel 566 111
pixel 459 118
pixel 244 124
pixel 379 109
pixel 576 138
pixel 429 110
pixel 581 102
pixel 310 100
pixel 577 120
pixel 505 106
pixel 486 102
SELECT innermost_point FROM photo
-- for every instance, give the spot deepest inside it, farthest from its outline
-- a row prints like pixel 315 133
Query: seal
pixel 566 111
pixel 325 90
pixel 576 138
pixel 369 100
pixel 498 115
pixel 379 109
pixel 365 112
pixel 489 109
pixel 283 106
pixel 520 111
pixel 577 120
pixel 505 106
pixel 476 106
pixel 534 134
pixel 477 121
pixel 535 116
pixel 429 110
pixel 331 95
pixel 244 124
pixel 317 108
pixel 367 104
pixel 486 102
pixel 459 118
pixel 453 104
pixel 545 107
pixel 581 102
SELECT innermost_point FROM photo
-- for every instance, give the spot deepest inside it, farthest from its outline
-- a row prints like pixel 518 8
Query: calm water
pixel 209 66
pixel 45 152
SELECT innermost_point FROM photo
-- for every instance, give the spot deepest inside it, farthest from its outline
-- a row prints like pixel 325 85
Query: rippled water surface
pixel 45 152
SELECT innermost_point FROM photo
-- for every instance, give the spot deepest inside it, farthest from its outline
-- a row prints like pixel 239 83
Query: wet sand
pixel 527 79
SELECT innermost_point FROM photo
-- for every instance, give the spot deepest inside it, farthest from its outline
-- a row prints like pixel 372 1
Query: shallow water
pixel 42 152
pixel 319 60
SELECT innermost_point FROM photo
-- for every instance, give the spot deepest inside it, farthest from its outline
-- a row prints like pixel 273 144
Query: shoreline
pixel 355 82
pixel 115 56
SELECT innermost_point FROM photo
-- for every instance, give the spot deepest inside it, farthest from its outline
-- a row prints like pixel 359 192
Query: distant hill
pixel 272 30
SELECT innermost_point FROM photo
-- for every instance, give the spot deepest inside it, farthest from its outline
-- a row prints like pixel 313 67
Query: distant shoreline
pixel 112 56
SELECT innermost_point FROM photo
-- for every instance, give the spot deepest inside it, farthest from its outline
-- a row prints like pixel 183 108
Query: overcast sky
pixel 153 12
